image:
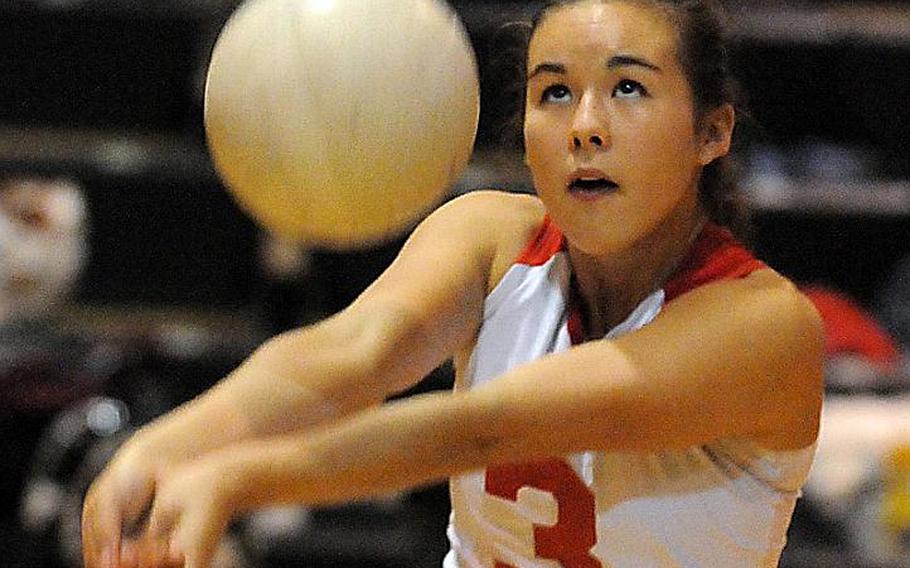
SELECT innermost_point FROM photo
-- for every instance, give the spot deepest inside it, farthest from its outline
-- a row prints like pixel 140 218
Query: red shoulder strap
pixel 715 255
pixel 546 242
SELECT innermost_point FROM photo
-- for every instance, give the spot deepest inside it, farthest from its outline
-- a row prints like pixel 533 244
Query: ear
pixel 716 134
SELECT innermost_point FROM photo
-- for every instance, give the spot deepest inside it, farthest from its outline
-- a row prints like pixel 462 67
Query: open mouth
pixel 592 186
pixel 596 184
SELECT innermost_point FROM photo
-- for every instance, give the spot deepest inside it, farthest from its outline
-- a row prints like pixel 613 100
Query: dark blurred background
pixel 172 286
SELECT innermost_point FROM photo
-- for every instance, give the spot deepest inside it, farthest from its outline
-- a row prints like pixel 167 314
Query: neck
pixel 612 286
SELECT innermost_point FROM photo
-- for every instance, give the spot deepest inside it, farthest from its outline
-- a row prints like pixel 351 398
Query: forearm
pixel 403 326
pixel 376 452
pixel 407 443
pixel 291 383
pixel 245 405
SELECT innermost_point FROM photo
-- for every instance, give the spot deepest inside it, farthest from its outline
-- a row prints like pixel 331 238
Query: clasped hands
pixel 145 512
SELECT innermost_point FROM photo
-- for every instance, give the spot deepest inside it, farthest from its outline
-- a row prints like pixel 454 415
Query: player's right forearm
pixel 293 382
pixel 244 406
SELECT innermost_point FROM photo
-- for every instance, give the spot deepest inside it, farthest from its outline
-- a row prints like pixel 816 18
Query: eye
pixel 556 94
pixel 628 89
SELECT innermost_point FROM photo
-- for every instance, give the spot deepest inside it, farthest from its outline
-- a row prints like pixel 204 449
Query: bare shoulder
pixel 802 333
pixel 764 290
pixel 766 329
pixel 429 301
pixel 777 296
pixel 501 211
pixel 506 220
pixel 762 302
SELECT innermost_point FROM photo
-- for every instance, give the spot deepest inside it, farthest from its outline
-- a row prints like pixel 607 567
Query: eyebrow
pixel 631 60
pixel 614 62
pixel 557 68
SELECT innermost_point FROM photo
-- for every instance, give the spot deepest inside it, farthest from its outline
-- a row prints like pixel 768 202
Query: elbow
pixel 335 359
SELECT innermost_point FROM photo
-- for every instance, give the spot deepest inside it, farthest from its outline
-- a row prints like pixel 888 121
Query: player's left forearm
pixel 380 451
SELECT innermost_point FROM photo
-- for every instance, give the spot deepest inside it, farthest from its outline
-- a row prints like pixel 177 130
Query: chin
pixel 600 241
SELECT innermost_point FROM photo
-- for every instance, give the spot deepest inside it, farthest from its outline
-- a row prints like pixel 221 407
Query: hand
pixel 119 497
pixel 192 508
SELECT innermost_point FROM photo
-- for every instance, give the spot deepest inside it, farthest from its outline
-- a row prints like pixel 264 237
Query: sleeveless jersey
pixel 724 504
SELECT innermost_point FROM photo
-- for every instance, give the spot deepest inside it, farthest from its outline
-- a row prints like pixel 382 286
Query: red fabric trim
pixel 715 255
pixel 548 241
pixel 850 329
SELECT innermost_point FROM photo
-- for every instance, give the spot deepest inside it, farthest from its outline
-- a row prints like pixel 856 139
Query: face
pixel 609 125
pixel 42 245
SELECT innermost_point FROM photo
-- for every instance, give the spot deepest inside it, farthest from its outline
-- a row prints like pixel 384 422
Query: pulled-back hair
pixel 703 56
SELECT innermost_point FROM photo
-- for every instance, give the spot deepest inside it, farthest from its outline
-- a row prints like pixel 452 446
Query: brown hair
pixel 704 60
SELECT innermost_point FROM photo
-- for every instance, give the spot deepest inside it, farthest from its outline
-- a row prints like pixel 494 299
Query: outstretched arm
pixel 425 306
pixel 702 370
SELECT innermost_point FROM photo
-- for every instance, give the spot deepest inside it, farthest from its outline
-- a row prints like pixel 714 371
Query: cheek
pixel 541 143
pixel 668 143
pixel 534 127
pixel 666 161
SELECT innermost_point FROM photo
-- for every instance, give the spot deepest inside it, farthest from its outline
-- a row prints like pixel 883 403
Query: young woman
pixel 633 388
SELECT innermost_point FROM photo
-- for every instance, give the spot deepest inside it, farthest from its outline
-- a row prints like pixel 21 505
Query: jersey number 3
pixel 570 540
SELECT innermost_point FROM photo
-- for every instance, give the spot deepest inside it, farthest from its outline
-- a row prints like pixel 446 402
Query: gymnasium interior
pixel 151 284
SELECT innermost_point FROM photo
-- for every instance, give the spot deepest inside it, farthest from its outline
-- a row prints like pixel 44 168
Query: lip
pixel 586 173
pixel 593 194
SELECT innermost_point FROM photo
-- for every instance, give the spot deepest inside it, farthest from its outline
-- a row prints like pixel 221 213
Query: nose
pixel 589 125
pixel 594 140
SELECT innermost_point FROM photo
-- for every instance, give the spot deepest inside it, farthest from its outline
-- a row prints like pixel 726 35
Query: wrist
pixel 241 480
pixel 261 474
pixel 151 446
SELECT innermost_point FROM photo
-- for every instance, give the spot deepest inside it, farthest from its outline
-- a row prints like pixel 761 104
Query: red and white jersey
pixel 725 504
